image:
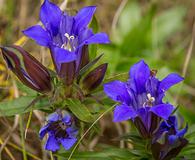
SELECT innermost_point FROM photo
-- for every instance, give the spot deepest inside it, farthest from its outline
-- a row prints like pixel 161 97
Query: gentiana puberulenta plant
pixel 140 99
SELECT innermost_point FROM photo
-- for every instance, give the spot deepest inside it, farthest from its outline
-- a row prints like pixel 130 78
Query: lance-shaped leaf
pixel 89 65
pixel 29 70
pixel 79 110
pixel 67 72
pixel 95 77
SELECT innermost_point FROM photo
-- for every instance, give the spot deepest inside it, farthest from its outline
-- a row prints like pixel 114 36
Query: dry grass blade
pixel 7 151
pixel 117 14
pixel 19 149
pixel 187 60
pixel 16 120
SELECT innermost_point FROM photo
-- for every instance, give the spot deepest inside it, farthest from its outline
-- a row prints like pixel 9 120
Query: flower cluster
pixel 141 101
pixel 67 38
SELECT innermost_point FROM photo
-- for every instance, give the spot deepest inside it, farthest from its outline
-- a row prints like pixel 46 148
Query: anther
pixel 150 98
pixel 68 36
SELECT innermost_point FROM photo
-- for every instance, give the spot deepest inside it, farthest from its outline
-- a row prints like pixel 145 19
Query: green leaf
pixel 106 154
pixel 25 89
pixel 121 77
pixel 79 110
pixel 169 22
pixel 132 12
pixel 93 50
pixel 94 25
pixel 18 106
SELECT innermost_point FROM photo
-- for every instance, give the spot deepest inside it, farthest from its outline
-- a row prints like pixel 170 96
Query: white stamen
pixel 68 45
pixel 69 37
pixel 150 98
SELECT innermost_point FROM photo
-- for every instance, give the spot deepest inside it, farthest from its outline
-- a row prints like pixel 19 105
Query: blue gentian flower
pixel 61 130
pixel 141 98
pixel 65 35
pixel 168 141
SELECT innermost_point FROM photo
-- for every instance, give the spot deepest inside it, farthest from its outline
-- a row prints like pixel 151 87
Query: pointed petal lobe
pixel 162 110
pixel 97 38
pixel 43 131
pixel 117 91
pixel 123 112
pixel 169 81
pixel 140 73
pixel 68 142
pixel 83 17
pixel 52 144
pixel 38 34
pixel 50 16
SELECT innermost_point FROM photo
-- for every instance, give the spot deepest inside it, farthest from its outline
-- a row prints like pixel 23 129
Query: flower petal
pixel 64 56
pixel 182 132
pixel 97 38
pixel 117 91
pixel 140 72
pixel 38 34
pixel 43 131
pixel 162 110
pixel 123 112
pixel 83 18
pixel 145 116
pixel 173 139
pixel 66 25
pixel 68 142
pixel 52 144
pixel 53 117
pixel 169 81
pixel 66 119
pixel 83 35
pixel 50 16
pixel 72 132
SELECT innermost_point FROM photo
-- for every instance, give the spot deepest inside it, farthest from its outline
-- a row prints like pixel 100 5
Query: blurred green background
pixel 158 31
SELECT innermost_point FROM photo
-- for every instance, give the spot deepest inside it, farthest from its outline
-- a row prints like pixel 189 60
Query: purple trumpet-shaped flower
pixel 141 98
pixel 30 71
pixel 65 36
pixel 168 141
pixel 61 130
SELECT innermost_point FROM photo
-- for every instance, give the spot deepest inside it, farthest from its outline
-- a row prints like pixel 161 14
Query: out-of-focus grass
pixel 157 31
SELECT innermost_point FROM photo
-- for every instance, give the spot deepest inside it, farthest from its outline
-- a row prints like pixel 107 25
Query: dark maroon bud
pixel 175 151
pixel 165 152
pixel 84 57
pixel 67 72
pixel 95 77
pixel 29 70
